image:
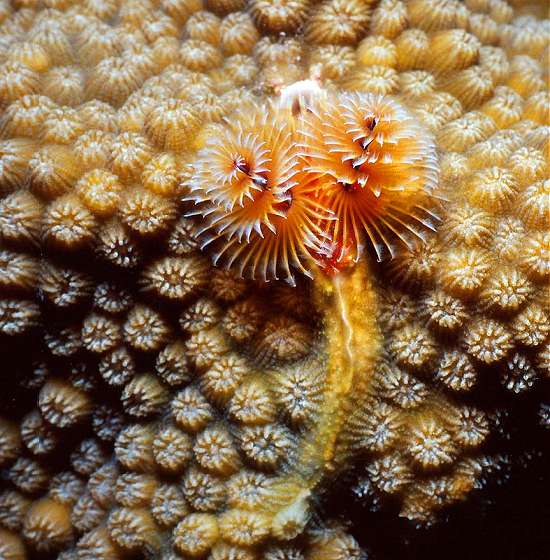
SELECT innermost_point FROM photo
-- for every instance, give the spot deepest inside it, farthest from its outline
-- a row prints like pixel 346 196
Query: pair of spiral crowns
pixel 311 180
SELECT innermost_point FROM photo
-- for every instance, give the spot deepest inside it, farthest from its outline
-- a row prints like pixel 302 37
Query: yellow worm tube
pixel 348 302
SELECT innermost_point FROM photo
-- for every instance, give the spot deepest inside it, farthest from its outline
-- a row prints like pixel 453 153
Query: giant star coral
pixel 158 406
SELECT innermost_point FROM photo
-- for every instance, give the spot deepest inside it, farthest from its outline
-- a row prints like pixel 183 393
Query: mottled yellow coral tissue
pixel 247 246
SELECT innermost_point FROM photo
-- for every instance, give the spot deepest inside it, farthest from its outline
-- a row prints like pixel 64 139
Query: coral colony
pixel 247 246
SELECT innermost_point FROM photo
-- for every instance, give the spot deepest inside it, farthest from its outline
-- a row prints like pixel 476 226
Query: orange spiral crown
pixel 314 181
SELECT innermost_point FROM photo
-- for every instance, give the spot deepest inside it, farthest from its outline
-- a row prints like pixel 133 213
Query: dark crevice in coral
pixel 507 518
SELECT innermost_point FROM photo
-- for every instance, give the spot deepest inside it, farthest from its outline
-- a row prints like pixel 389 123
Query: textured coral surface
pixel 157 406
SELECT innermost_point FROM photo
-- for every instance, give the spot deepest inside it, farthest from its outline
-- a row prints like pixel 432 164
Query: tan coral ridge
pixel 69 109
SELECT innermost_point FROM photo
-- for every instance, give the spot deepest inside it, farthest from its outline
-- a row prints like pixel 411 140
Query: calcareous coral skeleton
pixel 252 248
